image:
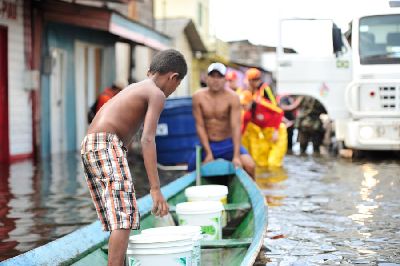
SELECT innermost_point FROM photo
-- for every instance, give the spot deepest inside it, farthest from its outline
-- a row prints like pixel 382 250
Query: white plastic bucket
pixel 174 256
pixel 193 231
pixel 209 192
pixel 166 250
pixel 206 214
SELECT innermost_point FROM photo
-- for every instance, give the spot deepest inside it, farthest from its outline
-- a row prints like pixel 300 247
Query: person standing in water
pixel 104 153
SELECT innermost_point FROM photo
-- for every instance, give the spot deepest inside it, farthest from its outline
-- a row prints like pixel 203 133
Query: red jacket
pixel 106 95
pixel 266 112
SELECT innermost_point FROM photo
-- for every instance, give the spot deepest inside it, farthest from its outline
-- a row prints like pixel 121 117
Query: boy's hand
pixel 160 206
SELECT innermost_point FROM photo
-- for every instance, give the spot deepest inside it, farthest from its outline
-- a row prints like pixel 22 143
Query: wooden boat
pixel 242 240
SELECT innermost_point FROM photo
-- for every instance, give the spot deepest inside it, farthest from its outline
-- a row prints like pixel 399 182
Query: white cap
pixel 220 68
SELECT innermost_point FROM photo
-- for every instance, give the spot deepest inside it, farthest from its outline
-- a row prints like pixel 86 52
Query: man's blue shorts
pixel 221 149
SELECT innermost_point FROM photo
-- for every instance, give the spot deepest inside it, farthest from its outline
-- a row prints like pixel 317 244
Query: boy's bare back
pixel 124 113
pixel 105 160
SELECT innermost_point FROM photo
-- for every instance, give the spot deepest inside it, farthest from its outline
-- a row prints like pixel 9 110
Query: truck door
pixel 312 61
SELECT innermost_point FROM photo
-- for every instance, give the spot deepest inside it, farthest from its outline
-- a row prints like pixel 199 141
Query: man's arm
pixel 294 105
pixel 235 126
pixel 200 127
pixel 155 106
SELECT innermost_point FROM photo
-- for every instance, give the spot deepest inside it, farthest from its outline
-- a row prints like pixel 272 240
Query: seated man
pixel 217 114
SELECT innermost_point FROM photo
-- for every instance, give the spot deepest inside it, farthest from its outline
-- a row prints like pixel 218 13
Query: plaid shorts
pixel 110 181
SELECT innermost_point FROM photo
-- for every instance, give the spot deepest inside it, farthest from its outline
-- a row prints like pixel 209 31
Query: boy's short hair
pixel 169 61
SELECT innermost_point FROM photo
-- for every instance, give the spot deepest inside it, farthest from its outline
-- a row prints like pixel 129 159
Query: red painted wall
pixel 4 138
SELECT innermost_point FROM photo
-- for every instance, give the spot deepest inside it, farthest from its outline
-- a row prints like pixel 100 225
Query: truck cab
pixel 357 78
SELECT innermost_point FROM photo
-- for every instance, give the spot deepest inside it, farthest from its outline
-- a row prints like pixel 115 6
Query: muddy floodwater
pixel 329 211
pixel 322 210
pixel 42 202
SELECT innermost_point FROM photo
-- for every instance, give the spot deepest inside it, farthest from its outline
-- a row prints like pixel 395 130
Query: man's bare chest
pixel 215 109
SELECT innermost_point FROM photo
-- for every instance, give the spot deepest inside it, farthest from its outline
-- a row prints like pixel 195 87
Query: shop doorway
pixel 57 102
pixel 88 65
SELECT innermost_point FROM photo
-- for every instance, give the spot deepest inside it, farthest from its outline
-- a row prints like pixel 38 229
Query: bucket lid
pixel 162 238
pixel 167 230
pixel 199 207
pixel 206 191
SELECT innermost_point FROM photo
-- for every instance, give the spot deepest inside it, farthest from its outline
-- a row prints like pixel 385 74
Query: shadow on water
pixel 42 202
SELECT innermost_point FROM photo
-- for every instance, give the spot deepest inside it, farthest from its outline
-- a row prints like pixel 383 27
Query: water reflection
pixel 6 225
pixel 270 181
pixel 322 210
pixel 365 210
pixel 43 202
pixel 369 173
pixel 333 211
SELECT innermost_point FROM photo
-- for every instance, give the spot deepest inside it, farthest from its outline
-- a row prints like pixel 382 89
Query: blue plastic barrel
pixel 176 132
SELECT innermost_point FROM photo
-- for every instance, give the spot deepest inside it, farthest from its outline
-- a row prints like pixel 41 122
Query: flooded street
pixel 326 211
pixel 41 203
pixel 322 210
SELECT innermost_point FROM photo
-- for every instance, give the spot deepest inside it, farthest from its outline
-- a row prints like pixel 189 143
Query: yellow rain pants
pixel 258 142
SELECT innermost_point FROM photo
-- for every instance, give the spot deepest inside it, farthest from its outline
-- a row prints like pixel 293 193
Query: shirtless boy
pixel 104 150
pixel 217 114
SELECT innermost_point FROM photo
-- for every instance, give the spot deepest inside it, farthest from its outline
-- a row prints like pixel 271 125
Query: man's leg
pixel 248 164
pixel 317 139
pixel 303 139
pixel 117 246
pixel 290 138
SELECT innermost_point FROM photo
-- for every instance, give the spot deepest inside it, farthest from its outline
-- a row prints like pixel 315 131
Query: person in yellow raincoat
pixel 263 133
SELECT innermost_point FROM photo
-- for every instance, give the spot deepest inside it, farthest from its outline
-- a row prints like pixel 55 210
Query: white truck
pixel 356 77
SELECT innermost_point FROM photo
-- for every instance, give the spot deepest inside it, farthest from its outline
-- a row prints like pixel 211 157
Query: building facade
pixel 198 11
pixel 16 134
pixel 55 58
pixel 187 40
